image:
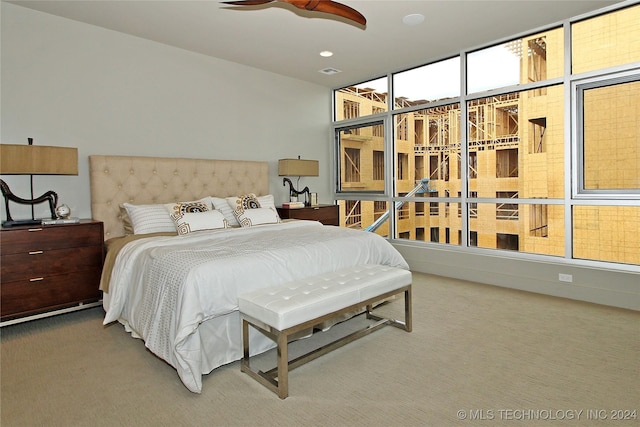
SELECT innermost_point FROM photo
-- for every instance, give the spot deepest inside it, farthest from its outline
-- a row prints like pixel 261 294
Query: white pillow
pixel 267 201
pixel 222 205
pixel 149 219
pixel 257 216
pixel 197 221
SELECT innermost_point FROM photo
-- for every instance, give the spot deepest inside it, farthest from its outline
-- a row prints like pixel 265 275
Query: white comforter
pixel 163 288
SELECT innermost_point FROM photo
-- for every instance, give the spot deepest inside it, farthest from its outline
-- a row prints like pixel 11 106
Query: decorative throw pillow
pixel 197 221
pixel 257 216
pixel 178 209
pixel 243 202
pixel 147 219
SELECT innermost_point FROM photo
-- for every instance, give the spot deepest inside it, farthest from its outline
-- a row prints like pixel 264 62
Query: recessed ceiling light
pixel 413 19
pixel 329 71
pixel 326 53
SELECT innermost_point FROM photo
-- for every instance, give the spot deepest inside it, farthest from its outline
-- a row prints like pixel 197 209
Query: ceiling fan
pixel 326 6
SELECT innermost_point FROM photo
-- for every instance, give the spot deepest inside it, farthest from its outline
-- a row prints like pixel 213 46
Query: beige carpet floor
pixel 478 355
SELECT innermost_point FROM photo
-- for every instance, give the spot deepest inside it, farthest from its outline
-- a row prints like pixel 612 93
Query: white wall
pixel 592 284
pixel 67 83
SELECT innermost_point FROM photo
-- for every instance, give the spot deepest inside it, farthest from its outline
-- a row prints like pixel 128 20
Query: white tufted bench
pixel 281 311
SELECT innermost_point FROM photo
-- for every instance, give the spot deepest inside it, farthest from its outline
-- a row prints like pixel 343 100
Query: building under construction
pixel 515 150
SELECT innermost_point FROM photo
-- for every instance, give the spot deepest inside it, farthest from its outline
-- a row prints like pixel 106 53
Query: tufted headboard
pixel 153 180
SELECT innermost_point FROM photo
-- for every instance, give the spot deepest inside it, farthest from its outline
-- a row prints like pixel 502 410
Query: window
pixel 531 127
pixel 610 144
pixel 361 158
pixel 536 134
pixel 507 241
pixel 428 83
pixel 379 209
pixel 597 236
pixel 403 166
pixel 378 165
pixel 473 206
pixel 351 109
pixel 537 57
pixel 538 221
pixel 353 214
pixel 361 100
pixel 403 210
pixel 606 40
pixel 435 234
pixel 473 164
pixel 507 163
pixel 351 165
pixel 508 211
pixel 473 238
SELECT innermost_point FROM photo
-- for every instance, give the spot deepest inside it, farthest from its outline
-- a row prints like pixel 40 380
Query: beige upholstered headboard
pixel 152 180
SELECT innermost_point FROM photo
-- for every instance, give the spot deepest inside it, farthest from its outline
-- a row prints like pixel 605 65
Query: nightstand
pixel 326 214
pixel 49 269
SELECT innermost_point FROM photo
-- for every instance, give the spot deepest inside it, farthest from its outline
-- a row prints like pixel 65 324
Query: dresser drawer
pixel 49 263
pixel 21 298
pixel 50 237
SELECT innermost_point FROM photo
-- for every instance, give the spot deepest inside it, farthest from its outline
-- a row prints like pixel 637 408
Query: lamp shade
pixel 297 167
pixel 38 160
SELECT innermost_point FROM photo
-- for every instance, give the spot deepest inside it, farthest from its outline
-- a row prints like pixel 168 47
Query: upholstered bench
pixel 281 311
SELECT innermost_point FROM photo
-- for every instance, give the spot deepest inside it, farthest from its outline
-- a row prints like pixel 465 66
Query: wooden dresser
pixel 326 214
pixel 49 269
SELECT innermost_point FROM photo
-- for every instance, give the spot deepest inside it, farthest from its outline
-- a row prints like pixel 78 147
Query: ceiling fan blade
pixel 331 7
pixel 248 2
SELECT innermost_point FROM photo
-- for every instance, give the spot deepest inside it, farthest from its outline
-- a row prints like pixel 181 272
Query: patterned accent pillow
pixel 244 202
pixel 257 216
pixel 179 209
pixel 197 221
pixel 147 219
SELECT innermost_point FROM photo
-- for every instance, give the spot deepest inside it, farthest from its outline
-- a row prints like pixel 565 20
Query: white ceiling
pixel 283 39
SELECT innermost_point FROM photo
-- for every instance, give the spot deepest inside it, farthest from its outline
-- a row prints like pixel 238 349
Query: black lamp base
pixel 21 222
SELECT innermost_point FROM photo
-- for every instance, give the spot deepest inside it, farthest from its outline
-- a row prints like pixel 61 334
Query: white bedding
pixel 164 288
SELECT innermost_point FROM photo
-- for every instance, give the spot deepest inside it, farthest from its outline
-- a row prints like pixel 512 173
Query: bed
pixel 176 288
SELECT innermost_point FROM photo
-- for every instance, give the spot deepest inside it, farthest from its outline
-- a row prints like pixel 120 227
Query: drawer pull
pixel 35 252
pixel 36 279
pixel 35 229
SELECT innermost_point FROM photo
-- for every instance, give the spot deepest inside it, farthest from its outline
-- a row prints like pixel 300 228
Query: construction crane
pixel 421 188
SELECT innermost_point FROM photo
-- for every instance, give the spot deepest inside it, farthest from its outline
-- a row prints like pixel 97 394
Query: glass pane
pixel 364 99
pixel 611 143
pixel 427 152
pixel 426 84
pixel 607 233
pixel 518 227
pixel 367 215
pixel 429 222
pixel 361 158
pixel 530 59
pixel 606 41
pixel 516 143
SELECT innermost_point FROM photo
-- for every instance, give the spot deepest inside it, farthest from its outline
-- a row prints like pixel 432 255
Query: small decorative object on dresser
pixel 63 211
pixel 326 214
pixel 49 270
